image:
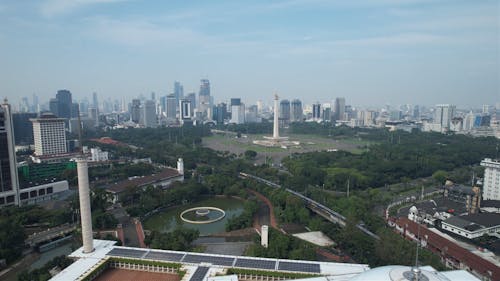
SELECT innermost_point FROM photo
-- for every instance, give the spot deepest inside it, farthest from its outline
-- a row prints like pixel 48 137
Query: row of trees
pixel 245 219
pixel 178 240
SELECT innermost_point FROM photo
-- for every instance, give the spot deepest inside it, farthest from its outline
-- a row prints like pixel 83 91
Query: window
pixel 10 199
pixel 33 194
pixel 50 190
pixel 2 200
pixel 24 195
pixel 41 192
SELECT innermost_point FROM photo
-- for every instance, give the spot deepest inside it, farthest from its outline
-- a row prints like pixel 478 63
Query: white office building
pixel 443 115
pixel 491 183
pixel 49 135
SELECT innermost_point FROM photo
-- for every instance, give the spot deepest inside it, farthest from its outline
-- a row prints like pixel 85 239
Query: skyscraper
pixel 296 111
pixel 339 109
pixel 95 102
pixel 135 110
pixel 178 92
pixel 192 98
pixel 148 114
pixel 64 104
pixel 9 181
pixel 171 106
pixel 186 112
pixel 237 111
pixel 220 113
pixel 443 115
pixel 316 114
pixel 23 127
pixel 49 135
pixel 284 112
pixel 204 97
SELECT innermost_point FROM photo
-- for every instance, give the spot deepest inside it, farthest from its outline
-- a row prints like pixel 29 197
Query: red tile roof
pixel 449 248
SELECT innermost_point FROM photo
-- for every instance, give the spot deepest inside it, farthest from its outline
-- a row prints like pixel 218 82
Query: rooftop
pixel 166 173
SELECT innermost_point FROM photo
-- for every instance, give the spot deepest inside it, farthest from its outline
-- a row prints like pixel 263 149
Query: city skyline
pixel 372 53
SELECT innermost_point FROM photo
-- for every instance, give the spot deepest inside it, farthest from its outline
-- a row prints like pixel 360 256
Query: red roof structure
pixel 451 251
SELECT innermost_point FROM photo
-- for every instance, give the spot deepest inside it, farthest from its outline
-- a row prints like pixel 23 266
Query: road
pixel 316 207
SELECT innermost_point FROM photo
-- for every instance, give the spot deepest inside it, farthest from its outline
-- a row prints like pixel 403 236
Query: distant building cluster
pixel 178 108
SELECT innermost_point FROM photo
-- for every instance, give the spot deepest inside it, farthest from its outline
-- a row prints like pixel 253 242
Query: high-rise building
pixel 54 106
pixel 443 115
pixel 204 100
pixel 468 122
pixel 23 128
pixel 316 114
pixel 192 98
pixel 171 106
pixel 148 114
pixel 135 110
pixel 284 112
pixel 491 182
pixel 185 110
pixel 237 111
pixel 95 101
pixel 339 109
pixel 220 113
pixel 178 92
pixel 327 114
pixel 64 104
pixel 49 135
pixel 296 111
pixel 9 181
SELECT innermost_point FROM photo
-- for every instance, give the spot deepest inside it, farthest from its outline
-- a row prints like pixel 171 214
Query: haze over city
pixel 371 52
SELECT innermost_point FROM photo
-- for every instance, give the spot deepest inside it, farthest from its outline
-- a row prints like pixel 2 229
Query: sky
pixel 372 52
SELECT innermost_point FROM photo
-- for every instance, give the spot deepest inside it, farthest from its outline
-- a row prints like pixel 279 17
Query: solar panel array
pixel 129 253
pixel 199 274
pixel 208 259
pixel 299 267
pixel 255 263
pixel 265 264
pixel 157 255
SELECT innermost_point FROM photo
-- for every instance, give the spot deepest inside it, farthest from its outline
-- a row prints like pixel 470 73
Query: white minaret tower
pixel 276 132
pixel 85 212
pixel 264 236
pixel 180 166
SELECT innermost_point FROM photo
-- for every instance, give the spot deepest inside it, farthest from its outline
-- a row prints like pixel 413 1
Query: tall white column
pixel 276 133
pixel 85 212
pixel 264 233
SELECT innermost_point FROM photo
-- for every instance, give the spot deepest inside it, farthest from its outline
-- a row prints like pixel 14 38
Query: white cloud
pixel 51 8
pixel 140 32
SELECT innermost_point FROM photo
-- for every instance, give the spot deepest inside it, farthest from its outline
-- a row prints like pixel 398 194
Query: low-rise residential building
pixel 474 225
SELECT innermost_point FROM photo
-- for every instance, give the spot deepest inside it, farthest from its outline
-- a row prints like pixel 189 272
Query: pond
pixel 169 219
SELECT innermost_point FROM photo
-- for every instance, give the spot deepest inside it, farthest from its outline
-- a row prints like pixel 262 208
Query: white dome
pixel 413 210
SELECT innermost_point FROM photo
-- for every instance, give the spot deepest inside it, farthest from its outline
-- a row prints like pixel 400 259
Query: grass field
pixel 308 143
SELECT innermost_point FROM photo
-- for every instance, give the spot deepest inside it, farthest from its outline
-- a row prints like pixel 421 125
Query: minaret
pixel 86 217
pixel 276 133
pixel 180 166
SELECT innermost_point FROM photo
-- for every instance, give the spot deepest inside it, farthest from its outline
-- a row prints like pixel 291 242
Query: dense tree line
pixel 245 219
pixel 42 274
pixel 401 157
pixel 13 219
pixel 178 240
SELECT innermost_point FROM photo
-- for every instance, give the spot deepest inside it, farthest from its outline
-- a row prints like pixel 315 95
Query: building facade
pixel 49 135
pixel 297 112
pixel 9 181
pixel 491 183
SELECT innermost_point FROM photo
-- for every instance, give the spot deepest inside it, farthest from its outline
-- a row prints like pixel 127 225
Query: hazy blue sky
pixel 372 52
